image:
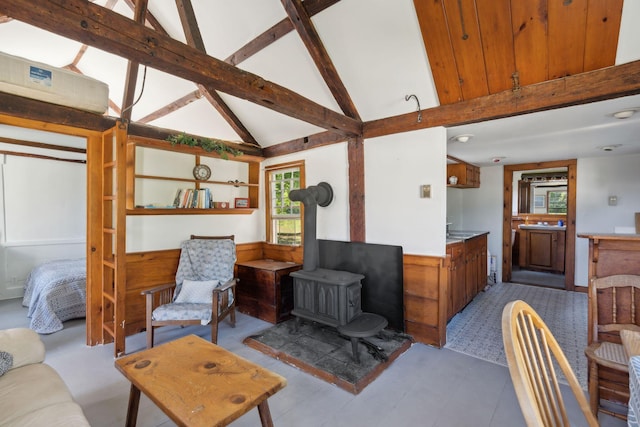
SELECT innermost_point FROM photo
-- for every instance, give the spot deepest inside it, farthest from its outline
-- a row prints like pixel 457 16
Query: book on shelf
pixel 193 198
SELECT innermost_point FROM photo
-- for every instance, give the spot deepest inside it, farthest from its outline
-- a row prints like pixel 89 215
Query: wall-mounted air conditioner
pixel 43 82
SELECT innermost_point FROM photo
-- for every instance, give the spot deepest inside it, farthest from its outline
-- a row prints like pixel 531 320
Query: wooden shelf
pixel 190 211
pixel 198 181
pixel 251 181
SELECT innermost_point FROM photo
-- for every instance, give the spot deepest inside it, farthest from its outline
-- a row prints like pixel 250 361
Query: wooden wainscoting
pixel 425 298
pixel 144 270
pixel 425 286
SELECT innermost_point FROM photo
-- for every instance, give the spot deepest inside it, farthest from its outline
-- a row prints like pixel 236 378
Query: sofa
pixel 31 392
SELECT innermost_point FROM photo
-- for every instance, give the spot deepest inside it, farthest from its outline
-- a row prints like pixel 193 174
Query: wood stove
pixel 331 297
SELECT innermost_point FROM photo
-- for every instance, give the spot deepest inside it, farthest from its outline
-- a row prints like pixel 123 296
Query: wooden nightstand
pixel 265 289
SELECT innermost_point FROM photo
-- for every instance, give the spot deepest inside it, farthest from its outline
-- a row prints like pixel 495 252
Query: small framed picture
pixel 241 202
pixel 539 201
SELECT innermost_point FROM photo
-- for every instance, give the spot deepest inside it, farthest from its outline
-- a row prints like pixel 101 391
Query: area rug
pixel 477 330
pixel 320 351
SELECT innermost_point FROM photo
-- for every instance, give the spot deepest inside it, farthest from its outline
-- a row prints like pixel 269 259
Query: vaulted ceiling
pixel 279 75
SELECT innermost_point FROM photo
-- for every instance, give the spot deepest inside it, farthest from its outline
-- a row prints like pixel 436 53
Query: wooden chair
pixel 612 308
pixel 532 354
pixel 204 290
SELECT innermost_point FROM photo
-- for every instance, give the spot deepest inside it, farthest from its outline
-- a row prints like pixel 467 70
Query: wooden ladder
pixel 113 248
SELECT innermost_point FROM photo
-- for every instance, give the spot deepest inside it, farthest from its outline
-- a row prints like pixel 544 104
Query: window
pixel 284 217
pixel 557 202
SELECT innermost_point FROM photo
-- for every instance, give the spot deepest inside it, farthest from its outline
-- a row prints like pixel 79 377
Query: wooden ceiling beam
pixel 194 39
pixel 306 30
pixel 132 68
pixel 302 144
pixel 160 136
pixel 599 85
pixel 59 115
pixel 31 109
pixel 99 27
pixel 275 32
pixel 170 108
pixel 150 19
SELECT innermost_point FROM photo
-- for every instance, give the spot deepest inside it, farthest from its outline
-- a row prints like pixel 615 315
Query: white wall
pixel 325 164
pixel 395 168
pixel 481 210
pixel 599 178
pixel 155 232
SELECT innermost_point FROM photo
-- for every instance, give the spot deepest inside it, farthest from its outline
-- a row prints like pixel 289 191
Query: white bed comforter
pixel 56 292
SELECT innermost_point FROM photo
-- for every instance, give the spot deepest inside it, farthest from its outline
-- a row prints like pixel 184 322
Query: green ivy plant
pixel 206 144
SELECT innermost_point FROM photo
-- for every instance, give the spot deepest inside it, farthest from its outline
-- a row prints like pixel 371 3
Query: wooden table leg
pixel 132 409
pixel 265 414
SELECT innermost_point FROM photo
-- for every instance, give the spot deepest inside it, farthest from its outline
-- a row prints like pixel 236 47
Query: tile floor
pixel 425 387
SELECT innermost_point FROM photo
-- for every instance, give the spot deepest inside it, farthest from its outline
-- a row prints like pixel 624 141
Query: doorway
pixel 508 218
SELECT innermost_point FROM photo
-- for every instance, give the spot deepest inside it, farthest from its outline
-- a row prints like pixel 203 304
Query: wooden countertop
pixel 610 236
pixel 268 264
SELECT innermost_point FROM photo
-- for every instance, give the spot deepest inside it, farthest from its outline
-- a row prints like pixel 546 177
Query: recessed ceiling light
pixel 462 138
pixel 609 147
pixel 624 114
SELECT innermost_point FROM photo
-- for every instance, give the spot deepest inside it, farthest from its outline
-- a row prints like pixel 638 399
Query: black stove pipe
pixel 311 198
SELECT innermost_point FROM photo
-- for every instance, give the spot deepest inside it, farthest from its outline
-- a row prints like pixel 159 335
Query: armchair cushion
pixel 184 311
pixel 196 291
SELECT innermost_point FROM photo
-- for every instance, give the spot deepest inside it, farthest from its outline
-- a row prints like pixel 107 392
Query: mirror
pixel 541 191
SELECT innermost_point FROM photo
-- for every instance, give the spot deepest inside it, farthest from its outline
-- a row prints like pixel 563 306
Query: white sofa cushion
pixel 68 414
pixel 28 389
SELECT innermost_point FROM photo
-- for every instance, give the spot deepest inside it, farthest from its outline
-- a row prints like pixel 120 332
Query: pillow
pixel 630 342
pixel 194 291
pixel 6 362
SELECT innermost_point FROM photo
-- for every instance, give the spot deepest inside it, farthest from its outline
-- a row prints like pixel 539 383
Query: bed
pixel 55 292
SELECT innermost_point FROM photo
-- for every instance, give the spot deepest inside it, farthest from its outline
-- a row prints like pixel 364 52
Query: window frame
pixel 268 170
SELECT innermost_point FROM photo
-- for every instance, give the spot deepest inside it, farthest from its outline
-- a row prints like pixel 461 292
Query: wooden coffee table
pixel 197 383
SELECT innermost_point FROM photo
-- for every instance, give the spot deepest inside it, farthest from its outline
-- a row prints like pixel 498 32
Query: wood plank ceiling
pixel 482 47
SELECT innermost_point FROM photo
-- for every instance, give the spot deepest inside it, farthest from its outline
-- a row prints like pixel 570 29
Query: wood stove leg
pixel 354 349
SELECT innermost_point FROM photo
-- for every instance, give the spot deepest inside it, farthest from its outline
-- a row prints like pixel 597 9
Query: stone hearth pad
pixel 320 351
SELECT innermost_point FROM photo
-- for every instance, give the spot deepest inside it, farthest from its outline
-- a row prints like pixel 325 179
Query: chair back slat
pixel 533 355
pixel 612 306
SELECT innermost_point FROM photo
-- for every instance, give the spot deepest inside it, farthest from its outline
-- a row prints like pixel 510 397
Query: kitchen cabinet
pixel 468 175
pixel 457 294
pixel 467 270
pixel 265 289
pixel 542 248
